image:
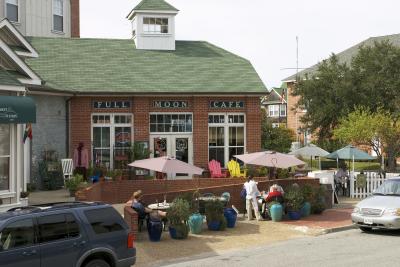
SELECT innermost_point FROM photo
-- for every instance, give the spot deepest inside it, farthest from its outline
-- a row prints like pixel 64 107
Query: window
pixel 283 111
pixel 17 234
pixel 12 10
pixel 112 138
pixel 155 25
pixel 5 156
pixel 58 16
pixel 57 227
pixel 171 123
pixel 273 110
pixel 105 220
pixel 226 136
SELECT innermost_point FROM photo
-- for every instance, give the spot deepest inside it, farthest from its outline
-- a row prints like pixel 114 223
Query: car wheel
pixel 366 229
pixel 97 263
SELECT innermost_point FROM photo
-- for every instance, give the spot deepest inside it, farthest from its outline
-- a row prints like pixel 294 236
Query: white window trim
pixel 281 108
pixel 12 171
pixel 156 33
pixel 172 113
pixel 112 126
pixel 226 126
pixel 272 108
pixel 52 18
pixel 18 22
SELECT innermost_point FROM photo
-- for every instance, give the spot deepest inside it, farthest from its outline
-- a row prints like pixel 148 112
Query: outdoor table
pixel 159 206
pixel 211 198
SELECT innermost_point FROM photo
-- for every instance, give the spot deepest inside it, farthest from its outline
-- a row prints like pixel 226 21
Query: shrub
pixel 318 203
pixel 215 213
pixel 294 198
pixel 74 183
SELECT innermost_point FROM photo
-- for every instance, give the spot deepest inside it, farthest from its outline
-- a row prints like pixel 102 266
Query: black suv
pixel 73 234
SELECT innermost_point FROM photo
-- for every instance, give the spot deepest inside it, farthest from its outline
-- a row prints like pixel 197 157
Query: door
pixel 122 144
pixel 62 241
pixel 177 146
pixel 17 245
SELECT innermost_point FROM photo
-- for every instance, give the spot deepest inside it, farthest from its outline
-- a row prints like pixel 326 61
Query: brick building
pixel 186 99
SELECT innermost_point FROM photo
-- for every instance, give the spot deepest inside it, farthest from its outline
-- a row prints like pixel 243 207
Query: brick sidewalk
pixel 329 219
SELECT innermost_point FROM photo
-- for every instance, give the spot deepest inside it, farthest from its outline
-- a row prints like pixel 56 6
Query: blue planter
pixel 294 215
pixel 276 212
pixel 154 229
pixel 230 215
pixel 172 232
pixel 214 225
pixel 195 223
pixel 306 209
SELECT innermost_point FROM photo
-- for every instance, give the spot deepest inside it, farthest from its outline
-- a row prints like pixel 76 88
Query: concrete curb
pixel 338 229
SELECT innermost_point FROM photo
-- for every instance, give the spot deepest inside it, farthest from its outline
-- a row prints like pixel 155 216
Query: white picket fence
pixel 374 180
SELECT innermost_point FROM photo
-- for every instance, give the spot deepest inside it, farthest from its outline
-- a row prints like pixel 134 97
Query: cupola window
pixel 155 25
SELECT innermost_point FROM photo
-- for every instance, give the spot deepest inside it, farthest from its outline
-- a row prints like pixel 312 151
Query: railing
pixel 373 181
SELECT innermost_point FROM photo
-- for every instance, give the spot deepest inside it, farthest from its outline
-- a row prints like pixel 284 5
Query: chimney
pixel 75 24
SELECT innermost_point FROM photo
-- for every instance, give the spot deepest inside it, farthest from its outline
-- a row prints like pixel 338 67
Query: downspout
pixel 67 117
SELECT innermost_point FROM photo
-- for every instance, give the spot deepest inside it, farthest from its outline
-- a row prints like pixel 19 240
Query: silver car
pixel 381 210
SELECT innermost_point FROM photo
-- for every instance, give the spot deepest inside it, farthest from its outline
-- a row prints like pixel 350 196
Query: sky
pixel 261 31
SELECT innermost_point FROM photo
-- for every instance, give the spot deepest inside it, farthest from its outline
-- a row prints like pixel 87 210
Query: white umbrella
pixel 311 151
pixel 166 165
pixel 270 159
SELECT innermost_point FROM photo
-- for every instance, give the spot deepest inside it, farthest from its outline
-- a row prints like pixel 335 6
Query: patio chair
pixel 67 168
pixel 215 169
pixel 234 169
pixel 227 197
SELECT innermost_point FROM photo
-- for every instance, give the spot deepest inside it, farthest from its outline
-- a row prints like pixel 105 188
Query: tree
pixel 277 139
pixel 379 130
pixel 372 80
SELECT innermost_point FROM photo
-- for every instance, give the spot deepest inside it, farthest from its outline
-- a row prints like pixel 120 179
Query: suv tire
pixel 97 263
pixel 366 229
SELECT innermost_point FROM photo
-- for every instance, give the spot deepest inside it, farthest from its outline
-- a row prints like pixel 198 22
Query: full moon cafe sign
pixel 226 104
pixel 111 104
pixel 170 104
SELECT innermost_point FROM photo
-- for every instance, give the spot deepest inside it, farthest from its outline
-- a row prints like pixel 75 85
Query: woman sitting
pixel 275 194
pixel 142 210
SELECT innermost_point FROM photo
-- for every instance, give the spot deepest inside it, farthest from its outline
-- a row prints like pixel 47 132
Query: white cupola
pixel 153 25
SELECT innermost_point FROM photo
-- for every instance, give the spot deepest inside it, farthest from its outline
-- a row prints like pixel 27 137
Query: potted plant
pixel 196 219
pixel 308 194
pixel 117 175
pixel 294 200
pixel 215 215
pixel 24 198
pixel 73 184
pixel 318 203
pixel 178 215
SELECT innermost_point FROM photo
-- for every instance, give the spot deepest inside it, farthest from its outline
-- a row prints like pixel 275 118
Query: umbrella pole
pixel 319 158
pixel 311 163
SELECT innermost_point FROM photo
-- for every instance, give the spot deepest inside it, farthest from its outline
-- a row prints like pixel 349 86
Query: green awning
pixel 17 109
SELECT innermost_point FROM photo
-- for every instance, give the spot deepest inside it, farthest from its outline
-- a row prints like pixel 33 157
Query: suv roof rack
pixel 54 206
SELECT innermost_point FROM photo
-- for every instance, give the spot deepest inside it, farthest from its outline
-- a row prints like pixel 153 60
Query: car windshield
pixel 389 187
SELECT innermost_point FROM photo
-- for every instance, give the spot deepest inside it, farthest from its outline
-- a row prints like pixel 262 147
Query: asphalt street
pixel 348 248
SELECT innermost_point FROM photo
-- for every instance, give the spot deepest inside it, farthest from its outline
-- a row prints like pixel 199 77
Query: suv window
pixel 104 220
pixel 17 234
pixel 56 227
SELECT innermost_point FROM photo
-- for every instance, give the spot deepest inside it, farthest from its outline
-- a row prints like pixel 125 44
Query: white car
pixel 381 210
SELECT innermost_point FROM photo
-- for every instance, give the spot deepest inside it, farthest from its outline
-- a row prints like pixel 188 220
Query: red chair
pixel 215 169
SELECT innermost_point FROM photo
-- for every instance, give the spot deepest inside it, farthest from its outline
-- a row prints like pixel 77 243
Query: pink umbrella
pixel 166 165
pixel 270 159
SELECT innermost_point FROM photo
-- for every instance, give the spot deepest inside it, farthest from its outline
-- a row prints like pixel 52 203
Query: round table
pixel 159 206
pixel 211 198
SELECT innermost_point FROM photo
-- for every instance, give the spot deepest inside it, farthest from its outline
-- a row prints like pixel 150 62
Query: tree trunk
pixel 391 164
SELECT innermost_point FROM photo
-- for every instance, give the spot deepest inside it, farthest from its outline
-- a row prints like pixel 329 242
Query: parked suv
pixel 73 234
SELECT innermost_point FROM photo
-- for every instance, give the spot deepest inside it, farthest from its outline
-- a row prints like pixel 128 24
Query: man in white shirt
pixel 251 198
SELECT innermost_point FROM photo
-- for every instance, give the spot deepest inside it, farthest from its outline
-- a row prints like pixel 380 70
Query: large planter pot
pixel 306 209
pixel 276 212
pixel 24 201
pixel 195 223
pixel 154 229
pixel 230 215
pixel 178 231
pixel 294 215
pixel 214 225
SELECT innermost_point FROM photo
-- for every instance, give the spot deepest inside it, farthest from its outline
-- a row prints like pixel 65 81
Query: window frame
pixel 282 107
pixel 62 16
pixel 170 113
pixel 273 110
pixel 227 125
pixel 12 162
pixel 34 227
pixel 18 21
pixel 38 231
pixel 154 32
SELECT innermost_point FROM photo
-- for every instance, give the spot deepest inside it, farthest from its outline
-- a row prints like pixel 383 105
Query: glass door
pixel 122 144
pixel 160 146
pixel 182 151
pixel 102 146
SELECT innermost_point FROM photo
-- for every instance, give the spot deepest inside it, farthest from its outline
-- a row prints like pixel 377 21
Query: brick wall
pixel 75 19
pixel 293 115
pixel 82 108
pixel 120 192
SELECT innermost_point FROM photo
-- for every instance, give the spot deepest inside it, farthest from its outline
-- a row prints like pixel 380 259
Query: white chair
pixel 67 168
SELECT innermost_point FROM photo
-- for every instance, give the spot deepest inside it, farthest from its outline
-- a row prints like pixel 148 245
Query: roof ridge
pixel 154 5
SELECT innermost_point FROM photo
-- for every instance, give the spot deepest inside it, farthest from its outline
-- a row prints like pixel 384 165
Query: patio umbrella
pixel 166 165
pixel 270 159
pixel 311 151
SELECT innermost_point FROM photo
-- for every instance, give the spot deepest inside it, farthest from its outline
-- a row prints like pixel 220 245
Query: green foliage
pixel 179 212
pixel 215 213
pixel 282 173
pixel 308 193
pixel 73 184
pixel 318 204
pixel 138 151
pixel 294 198
pixel 50 171
pixel 277 139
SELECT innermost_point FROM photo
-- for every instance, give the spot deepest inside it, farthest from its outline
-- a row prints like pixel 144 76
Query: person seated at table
pixel 275 194
pixel 142 210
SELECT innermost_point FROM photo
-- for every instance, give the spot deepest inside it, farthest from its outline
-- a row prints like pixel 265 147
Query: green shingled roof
pixel 116 66
pixel 346 55
pixel 8 79
pixel 275 96
pixel 160 5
